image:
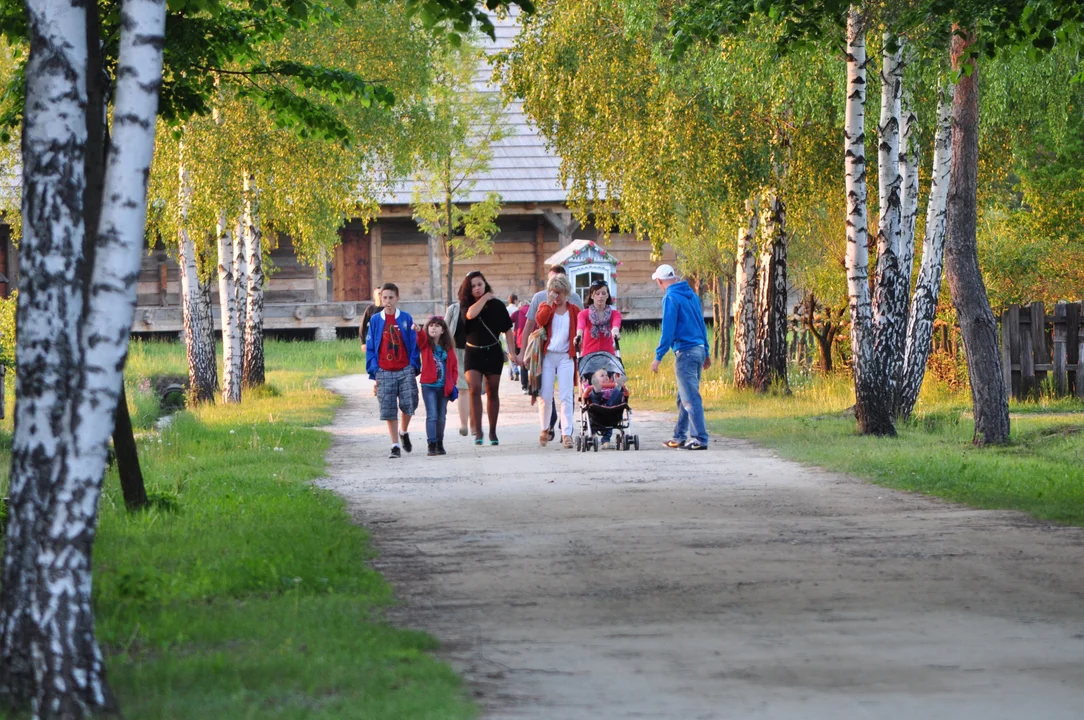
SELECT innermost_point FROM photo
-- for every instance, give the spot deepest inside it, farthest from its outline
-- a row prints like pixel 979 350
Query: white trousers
pixel 559 366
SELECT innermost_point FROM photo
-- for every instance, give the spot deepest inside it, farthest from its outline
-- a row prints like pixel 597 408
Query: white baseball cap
pixel 664 272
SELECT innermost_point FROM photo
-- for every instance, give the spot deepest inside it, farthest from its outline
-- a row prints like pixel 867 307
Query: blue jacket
pixel 682 321
pixel 376 331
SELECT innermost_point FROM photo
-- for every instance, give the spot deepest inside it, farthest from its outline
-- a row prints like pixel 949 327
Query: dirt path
pixel 722 584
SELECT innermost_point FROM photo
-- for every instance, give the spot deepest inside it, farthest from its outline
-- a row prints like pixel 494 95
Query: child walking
pixel 439 374
pixel 392 360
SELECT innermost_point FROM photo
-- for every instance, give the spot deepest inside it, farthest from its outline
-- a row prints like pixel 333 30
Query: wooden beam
pixel 539 252
pixel 376 270
pixel 563 223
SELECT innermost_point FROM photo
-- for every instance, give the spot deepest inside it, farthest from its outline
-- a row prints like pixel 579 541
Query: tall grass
pixel 1040 472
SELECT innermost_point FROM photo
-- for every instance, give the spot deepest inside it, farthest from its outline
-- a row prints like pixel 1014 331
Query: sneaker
pixel 432 449
pixel 695 445
pixel 567 441
pixel 395 452
pixel 675 443
pixel 404 438
pixel 440 448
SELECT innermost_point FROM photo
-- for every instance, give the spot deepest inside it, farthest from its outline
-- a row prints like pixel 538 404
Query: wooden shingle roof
pixel 522 169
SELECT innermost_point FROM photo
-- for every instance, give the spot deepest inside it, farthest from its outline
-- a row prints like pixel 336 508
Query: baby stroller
pixel 598 418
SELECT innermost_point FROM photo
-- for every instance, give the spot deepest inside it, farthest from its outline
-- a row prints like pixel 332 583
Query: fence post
pixel 1061 351
pixel 1027 353
pixel 1079 353
pixel 1014 349
pixel 1038 343
pixel 1006 357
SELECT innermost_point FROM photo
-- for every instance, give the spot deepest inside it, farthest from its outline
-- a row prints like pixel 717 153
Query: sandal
pixel 567 441
pixel 494 441
pixel 544 438
pixel 477 441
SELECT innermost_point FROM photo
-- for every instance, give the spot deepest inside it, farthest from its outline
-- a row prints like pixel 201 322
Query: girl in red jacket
pixel 439 374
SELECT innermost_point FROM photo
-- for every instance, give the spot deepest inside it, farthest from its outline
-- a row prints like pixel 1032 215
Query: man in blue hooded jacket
pixel 684 332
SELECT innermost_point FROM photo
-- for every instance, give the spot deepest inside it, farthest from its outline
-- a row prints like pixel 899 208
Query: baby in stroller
pixel 604 399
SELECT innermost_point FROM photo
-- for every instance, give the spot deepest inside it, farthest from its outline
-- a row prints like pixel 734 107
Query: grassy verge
pixel 244 593
pixel 1041 472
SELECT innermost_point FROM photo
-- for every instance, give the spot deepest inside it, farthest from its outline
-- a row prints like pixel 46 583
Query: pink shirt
pixel 598 338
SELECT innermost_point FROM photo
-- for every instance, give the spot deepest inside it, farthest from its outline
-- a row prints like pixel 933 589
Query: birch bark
pixel 227 302
pixel 745 310
pixel 253 368
pixel 202 373
pixel 890 292
pixel 70 355
pixel 771 340
pixel 240 283
pixel 48 313
pixel 928 286
pixel 871 408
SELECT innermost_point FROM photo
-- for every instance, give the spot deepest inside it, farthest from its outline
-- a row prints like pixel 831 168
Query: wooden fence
pixel 1041 351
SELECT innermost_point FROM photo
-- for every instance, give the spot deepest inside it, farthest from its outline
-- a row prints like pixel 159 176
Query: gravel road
pixel 722 584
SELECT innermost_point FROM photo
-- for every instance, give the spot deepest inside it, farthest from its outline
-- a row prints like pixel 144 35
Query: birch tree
pixel 232 345
pixel 464 124
pixel 70 351
pixel 773 314
pixel 745 309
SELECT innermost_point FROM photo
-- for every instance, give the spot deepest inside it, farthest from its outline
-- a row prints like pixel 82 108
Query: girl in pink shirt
pixel 598 325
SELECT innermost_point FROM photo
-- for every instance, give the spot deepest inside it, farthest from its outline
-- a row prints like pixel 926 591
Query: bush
pixel 7 329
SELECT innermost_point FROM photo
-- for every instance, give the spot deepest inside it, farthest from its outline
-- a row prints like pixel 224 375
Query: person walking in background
pixel 484 318
pixel 531 324
pixel 513 308
pixel 439 374
pixel 453 316
pixel 558 316
pixel 392 360
pixel 366 318
pixel 684 332
pixel 519 321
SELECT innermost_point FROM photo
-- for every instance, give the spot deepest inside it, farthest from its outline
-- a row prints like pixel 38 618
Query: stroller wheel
pixel 636 441
pixel 594 443
pixel 579 443
pixel 627 442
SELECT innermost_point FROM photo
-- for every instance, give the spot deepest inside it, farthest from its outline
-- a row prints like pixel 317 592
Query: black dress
pixel 481 336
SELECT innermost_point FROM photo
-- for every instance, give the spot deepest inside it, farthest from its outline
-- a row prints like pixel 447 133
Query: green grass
pixel 245 592
pixel 1041 472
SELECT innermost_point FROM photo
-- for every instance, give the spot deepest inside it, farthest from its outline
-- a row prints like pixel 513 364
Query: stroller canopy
pixel 593 362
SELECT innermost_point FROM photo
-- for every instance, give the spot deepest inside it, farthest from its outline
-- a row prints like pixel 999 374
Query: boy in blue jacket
pixel 684 332
pixel 393 361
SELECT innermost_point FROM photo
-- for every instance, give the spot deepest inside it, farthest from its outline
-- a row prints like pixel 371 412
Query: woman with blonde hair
pixel 558 317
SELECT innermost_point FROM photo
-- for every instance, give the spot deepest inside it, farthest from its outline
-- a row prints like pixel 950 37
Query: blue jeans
pixel 688 365
pixel 436 412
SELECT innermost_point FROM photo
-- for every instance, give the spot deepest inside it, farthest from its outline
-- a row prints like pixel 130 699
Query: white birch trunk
pixel 745 305
pixel 202 380
pixel 63 423
pixel 909 164
pixel 227 305
pixel 48 316
pixel 890 292
pixel 928 287
pixel 253 365
pixel 770 366
pixel 240 280
pixel 873 418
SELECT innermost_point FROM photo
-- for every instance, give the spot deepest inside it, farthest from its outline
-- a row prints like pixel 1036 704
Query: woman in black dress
pixel 484 319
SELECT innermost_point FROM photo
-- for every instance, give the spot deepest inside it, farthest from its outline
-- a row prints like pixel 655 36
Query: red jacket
pixel 429 365
pixel 544 318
